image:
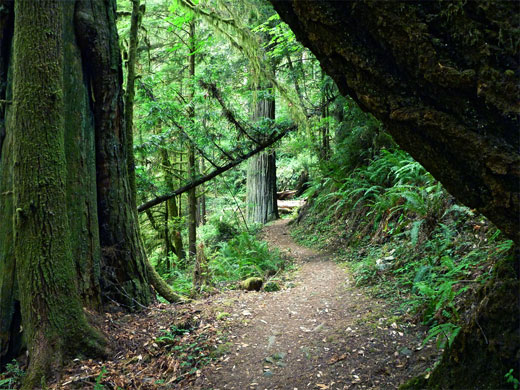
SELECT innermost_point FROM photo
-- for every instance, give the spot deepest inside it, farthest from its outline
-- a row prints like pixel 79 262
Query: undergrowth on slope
pixel 403 235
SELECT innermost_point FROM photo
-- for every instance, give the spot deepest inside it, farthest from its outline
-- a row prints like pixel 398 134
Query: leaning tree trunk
pixel 261 173
pixel 444 79
pixel 54 323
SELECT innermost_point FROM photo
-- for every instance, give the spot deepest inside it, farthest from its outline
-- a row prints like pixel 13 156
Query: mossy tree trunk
pixel 10 316
pixel 54 323
pixel 86 199
pixel 261 199
pixel 124 268
pixel 444 79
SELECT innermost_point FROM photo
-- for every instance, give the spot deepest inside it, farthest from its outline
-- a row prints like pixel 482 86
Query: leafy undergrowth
pixel 405 238
pixel 233 254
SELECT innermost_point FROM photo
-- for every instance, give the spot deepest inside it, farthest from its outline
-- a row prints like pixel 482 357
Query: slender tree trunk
pixel 325 137
pixel 53 319
pixel 130 94
pixel 192 168
pixel 261 174
pixel 202 197
pixel 174 236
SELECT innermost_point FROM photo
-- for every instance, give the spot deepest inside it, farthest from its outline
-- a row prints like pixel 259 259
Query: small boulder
pixel 252 284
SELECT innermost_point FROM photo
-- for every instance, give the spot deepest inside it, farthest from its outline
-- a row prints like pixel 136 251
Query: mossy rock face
pixel 252 284
pixel 271 287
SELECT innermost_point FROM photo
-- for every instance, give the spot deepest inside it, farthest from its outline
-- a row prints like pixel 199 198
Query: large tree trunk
pixel 85 111
pixel 124 268
pixel 54 323
pixel 444 79
pixel 442 76
pixel 261 173
pixel 10 316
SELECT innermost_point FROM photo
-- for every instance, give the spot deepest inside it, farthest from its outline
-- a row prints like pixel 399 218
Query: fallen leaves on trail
pixel 336 359
pixel 162 347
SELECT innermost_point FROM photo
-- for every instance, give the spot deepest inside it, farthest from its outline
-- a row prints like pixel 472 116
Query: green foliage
pixel 403 232
pixel 242 257
pixel 12 377
pixel 510 378
pixel 98 385
pixel 444 333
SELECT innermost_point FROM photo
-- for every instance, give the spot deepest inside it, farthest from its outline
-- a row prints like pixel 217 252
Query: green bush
pixel 242 257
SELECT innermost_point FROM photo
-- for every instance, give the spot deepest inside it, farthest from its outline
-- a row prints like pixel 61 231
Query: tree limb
pixel 215 93
pixel 214 173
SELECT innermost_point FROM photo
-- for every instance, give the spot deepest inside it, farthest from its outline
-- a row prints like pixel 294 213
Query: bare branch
pixel 214 173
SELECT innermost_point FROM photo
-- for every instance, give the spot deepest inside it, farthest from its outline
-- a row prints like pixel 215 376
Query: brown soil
pixel 319 332
pixel 322 334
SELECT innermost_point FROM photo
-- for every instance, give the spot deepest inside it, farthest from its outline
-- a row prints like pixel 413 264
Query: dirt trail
pixel 321 334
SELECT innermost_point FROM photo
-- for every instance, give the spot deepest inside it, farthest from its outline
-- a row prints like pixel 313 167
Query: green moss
pixel 252 284
pixel 271 287
pixel 417 383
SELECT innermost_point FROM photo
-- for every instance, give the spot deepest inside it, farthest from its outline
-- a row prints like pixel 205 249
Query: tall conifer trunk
pixel 124 267
pixel 84 207
pixel 261 173
pixel 53 320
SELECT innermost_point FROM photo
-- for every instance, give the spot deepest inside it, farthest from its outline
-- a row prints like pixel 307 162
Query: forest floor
pixel 319 332
pixel 324 333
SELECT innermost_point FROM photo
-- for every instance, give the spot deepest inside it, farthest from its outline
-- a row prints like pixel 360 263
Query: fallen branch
pixel 214 173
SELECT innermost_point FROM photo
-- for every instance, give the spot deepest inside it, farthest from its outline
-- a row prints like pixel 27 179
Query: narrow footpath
pixel 323 333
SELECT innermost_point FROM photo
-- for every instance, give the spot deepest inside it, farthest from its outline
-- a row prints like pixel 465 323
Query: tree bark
pixel 135 22
pixel 54 323
pixel 443 78
pixel 192 166
pixel 124 269
pixel 261 188
pixel 10 316
pixel 261 173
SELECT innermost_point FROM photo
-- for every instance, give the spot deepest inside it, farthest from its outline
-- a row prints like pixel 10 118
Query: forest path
pixel 324 333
